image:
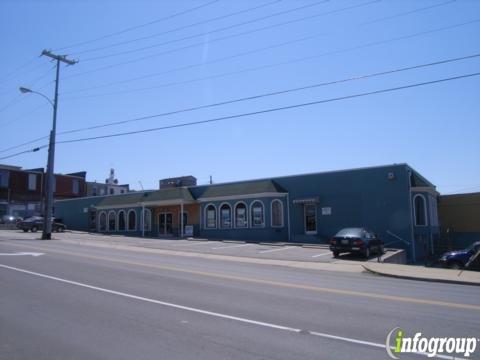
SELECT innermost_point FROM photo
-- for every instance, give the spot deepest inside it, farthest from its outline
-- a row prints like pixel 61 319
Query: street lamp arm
pixel 25 90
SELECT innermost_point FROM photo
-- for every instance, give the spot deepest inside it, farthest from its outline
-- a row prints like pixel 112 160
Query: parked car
pixel 356 240
pixel 35 223
pixel 458 259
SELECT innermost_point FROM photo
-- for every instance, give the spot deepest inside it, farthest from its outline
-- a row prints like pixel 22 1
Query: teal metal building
pixel 394 201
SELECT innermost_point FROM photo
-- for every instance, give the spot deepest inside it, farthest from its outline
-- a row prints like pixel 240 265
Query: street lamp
pixel 25 90
pixel 47 219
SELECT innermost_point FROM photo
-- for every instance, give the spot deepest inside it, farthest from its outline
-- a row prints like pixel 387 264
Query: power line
pixel 236 116
pixel 196 65
pixel 247 22
pixel 24 152
pixel 288 62
pixel 15 71
pixel 258 96
pixel 18 98
pixel 137 26
pixel 216 40
pixel 408 12
pixel 186 67
pixel 180 28
pixel 273 109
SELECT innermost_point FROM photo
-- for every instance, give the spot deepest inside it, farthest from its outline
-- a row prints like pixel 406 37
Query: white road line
pixel 196 243
pixel 322 254
pixel 210 313
pixel 230 246
pixel 272 250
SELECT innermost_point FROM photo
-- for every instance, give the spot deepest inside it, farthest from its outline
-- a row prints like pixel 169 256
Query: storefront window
pixel 111 221
pixel 121 221
pixel 225 216
pixel 241 215
pixel 103 222
pixel 277 213
pixel 257 214
pixel 211 218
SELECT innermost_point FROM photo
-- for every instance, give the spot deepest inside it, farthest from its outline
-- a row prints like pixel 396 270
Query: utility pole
pixel 47 219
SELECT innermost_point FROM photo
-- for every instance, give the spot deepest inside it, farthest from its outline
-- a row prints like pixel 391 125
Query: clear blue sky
pixel 435 128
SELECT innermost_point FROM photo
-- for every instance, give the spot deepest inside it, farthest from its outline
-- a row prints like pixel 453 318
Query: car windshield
pixel 350 232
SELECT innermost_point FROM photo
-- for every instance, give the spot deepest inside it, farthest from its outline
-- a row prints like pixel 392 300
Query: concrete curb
pixel 406 277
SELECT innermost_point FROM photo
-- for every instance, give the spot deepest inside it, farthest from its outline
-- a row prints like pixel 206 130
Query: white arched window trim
pixel 108 221
pixel 104 213
pixel 205 220
pixel 118 220
pixel 424 209
pixel 235 215
pixel 220 216
pixel 263 214
pixel 271 214
pixel 128 220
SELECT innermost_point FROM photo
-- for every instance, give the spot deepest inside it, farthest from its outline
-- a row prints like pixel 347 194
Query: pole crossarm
pixel 61 58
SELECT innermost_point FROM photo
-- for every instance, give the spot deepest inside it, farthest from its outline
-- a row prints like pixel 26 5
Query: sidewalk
pixel 413 272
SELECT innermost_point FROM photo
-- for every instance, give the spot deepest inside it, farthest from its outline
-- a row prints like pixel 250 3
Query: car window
pixel 350 232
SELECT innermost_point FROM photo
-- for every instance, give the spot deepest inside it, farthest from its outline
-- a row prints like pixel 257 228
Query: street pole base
pixel 46 236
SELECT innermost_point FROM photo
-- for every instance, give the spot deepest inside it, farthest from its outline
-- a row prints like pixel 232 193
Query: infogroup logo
pixel 431 347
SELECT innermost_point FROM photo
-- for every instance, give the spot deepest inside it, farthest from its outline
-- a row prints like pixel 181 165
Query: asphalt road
pixel 83 302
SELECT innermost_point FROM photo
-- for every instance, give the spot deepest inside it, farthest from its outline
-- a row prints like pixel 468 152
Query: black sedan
pixel 35 223
pixel 356 240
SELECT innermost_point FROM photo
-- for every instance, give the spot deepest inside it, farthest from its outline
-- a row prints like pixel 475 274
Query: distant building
pixel 22 191
pixel 178 182
pixel 459 219
pixel 110 187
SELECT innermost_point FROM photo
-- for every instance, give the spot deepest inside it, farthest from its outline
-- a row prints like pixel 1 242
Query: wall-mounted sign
pixel 189 230
pixel 326 211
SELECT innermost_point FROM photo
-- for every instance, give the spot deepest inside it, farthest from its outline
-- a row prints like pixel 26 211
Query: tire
pixel 25 230
pixel 60 229
pixel 367 252
pixel 335 254
pixel 34 229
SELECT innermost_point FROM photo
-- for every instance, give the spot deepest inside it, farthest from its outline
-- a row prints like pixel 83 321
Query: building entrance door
pixel 310 212
pixel 165 221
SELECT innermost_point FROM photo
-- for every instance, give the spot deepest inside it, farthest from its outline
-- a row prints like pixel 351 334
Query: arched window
pixel 210 217
pixel 277 213
pixel 420 210
pixel 121 221
pixel 132 220
pixel 241 218
pixel 225 216
pixel 112 224
pixel 102 222
pixel 257 214
pixel 147 220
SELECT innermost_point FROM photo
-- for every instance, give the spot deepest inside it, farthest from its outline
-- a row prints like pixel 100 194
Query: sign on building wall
pixel 326 211
pixel 189 230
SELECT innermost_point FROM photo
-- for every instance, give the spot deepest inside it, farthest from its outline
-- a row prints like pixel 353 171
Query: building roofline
pixel 307 174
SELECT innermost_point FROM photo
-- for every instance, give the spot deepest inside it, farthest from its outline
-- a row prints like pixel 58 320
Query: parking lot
pixel 277 251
